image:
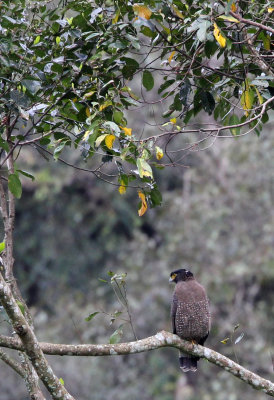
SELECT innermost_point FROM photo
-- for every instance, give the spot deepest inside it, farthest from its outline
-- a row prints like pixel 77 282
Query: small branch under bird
pixel 190 314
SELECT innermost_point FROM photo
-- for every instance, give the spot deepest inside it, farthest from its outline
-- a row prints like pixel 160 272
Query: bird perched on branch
pixel 190 314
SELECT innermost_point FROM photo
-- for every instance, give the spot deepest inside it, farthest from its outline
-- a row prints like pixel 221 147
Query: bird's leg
pixel 193 341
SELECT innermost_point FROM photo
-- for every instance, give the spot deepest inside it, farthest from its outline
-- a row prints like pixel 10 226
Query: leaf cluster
pixel 66 78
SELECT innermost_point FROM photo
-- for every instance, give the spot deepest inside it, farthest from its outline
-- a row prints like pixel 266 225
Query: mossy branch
pixel 161 339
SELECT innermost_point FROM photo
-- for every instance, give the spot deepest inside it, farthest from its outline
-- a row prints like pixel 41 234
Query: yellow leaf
pixel 142 11
pixel 261 100
pixel 218 36
pixel 100 139
pixel 173 120
pixel 270 10
pixel 247 98
pixel 105 105
pixel 228 18
pixel 233 7
pixel 127 131
pixel 159 153
pixel 177 11
pixel 116 17
pixel 89 94
pixel 86 135
pixel 171 56
pixel 122 189
pixel 87 112
pixel 143 207
pixel 109 141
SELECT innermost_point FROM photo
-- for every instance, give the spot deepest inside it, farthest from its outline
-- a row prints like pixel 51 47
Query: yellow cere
pixel 173 276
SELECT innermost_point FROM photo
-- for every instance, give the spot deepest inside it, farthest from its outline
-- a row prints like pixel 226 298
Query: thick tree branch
pixel 30 344
pixel 31 378
pixel 8 214
pixel 161 339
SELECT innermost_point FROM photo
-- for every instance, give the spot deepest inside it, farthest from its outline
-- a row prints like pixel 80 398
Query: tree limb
pixel 250 22
pixel 30 344
pixel 25 373
pixel 258 60
pixel 12 363
pixel 161 339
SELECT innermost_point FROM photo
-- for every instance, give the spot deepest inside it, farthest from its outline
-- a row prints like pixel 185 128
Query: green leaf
pixel 102 280
pixel 4 144
pixel 260 82
pixel 58 150
pixel 184 91
pixel 177 104
pixel 144 168
pixel 116 336
pixel 26 174
pixel 31 85
pixel 118 313
pixel 148 80
pixel 208 102
pixel 155 197
pixel 91 316
pixel 228 6
pixel 2 246
pixel 165 85
pixel 21 306
pixel 234 120
pixel 210 48
pixel 130 67
pixel 37 39
pixel 118 116
pixel 61 380
pixel 14 185
pixel 202 31
pixel 112 126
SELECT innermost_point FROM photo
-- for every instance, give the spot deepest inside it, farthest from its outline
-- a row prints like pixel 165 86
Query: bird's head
pixel 180 275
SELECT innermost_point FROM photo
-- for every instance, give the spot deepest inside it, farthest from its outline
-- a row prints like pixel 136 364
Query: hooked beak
pixel 171 280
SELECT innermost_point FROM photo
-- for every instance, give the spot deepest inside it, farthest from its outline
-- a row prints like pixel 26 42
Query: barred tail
pixel 188 363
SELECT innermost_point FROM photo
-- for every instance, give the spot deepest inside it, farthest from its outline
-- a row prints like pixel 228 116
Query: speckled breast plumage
pixel 192 319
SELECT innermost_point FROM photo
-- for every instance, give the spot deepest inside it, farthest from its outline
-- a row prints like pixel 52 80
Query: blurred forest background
pixel 217 219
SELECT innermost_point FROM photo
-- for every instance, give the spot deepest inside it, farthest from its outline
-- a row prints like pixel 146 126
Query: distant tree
pixel 67 76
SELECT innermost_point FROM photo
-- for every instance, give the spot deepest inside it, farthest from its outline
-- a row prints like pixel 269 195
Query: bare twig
pixel 250 22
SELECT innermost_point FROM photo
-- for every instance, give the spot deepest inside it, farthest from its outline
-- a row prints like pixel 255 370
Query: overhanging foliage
pixel 67 74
